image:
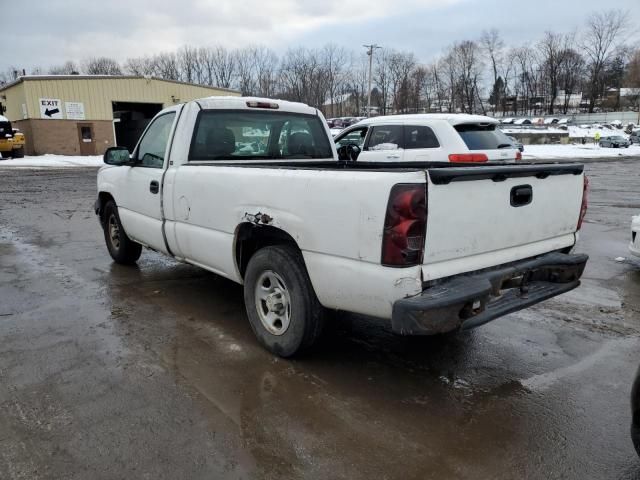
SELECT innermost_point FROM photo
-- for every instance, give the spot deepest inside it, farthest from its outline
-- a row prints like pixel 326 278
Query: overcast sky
pixel 47 32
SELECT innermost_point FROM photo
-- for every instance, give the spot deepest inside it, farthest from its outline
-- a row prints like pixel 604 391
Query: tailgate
pixel 483 216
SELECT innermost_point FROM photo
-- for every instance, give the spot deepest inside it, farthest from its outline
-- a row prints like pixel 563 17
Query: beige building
pixel 86 114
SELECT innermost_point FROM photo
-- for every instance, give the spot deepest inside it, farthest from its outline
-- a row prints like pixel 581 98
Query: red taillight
pixel 585 201
pixel 254 104
pixel 518 155
pixel 468 157
pixel 405 225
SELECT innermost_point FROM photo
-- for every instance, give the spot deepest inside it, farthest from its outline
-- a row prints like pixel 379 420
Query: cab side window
pixel 419 137
pixel 385 137
pixel 153 145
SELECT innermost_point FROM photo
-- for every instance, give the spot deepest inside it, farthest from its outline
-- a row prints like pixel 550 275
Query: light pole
pixel 370 49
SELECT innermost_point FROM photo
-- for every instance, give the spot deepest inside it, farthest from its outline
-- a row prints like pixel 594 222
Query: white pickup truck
pixel 255 191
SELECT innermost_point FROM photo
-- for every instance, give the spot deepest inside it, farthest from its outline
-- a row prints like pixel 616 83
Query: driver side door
pixel 140 198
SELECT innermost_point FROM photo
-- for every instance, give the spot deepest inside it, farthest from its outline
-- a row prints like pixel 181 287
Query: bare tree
pixel 141 66
pixel 223 64
pixel 553 50
pixel 245 66
pixel 189 64
pixel 465 68
pixel 266 69
pixel 381 77
pixel 101 66
pixel 400 66
pixel 571 74
pixel 334 59
pixel 166 66
pixel 303 77
pixel 600 40
pixel 356 82
pixel 68 68
pixel 493 47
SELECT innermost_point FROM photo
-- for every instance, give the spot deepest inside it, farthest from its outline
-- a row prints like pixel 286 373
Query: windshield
pixel 483 137
pixel 258 135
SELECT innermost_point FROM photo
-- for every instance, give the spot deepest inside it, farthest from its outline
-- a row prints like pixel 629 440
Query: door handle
pixel 521 195
pixel 154 186
pixel 393 156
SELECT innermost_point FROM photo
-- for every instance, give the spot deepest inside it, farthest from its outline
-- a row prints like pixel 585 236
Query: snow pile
pixel 550 130
pixel 552 152
pixel 54 161
pixel 589 131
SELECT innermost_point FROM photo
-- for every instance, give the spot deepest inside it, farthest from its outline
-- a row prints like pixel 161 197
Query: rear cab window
pixel 483 137
pixel 258 135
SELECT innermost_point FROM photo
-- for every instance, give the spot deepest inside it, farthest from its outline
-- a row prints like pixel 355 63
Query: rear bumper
pixel 471 300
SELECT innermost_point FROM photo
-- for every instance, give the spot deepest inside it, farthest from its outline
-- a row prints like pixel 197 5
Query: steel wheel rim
pixel 114 232
pixel 273 302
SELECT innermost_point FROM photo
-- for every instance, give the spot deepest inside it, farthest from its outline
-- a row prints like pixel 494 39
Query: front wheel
pixel 282 307
pixel 18 153
pixel 122 249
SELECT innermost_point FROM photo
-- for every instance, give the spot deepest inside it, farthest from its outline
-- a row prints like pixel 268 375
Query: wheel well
pixel 251 237
pixel 103 199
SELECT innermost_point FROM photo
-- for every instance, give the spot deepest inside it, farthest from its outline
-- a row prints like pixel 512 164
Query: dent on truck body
pixel 258 218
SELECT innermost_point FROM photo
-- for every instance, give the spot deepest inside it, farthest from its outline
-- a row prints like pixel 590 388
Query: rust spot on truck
pixel 258 218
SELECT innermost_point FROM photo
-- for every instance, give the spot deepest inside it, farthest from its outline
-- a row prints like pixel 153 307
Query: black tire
pixel 122 249
pixel 18 153
pixel 305 314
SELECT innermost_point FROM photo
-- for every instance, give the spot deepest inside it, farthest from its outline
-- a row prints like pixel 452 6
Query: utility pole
pixel 370 49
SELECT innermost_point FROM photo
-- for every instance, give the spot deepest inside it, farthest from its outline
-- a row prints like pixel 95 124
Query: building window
pixel 85 132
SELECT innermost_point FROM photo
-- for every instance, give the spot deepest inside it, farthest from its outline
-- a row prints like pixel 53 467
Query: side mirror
pixel 348 152
pixel 117 156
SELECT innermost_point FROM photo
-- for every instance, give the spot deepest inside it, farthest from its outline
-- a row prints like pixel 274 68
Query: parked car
pixel 429 138
pixel 634 137
pixel 615 141
pixel 304 228
pixel 516 143
pixel 634 246
pixel 635 413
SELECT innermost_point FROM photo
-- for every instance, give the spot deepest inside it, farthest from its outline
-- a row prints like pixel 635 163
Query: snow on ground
pixel 55 161
pixel 575 131
pixel 551 152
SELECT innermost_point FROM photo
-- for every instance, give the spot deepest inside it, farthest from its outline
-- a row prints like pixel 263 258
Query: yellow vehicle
pixel 11 140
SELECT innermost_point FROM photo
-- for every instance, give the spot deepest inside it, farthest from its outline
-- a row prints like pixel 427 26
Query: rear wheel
pixel 122 249
pixel 18 153
pixel 282 307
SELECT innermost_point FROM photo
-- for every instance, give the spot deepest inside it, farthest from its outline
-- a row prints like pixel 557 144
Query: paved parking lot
pixel 153 372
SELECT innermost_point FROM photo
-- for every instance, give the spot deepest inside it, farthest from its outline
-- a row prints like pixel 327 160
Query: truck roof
pixel 452 118
pixel 241 103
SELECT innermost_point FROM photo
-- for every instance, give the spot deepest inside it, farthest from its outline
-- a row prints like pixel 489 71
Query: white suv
pixel 429 138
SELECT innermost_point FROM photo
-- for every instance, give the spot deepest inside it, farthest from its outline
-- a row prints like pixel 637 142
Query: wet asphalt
pixel 111 372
